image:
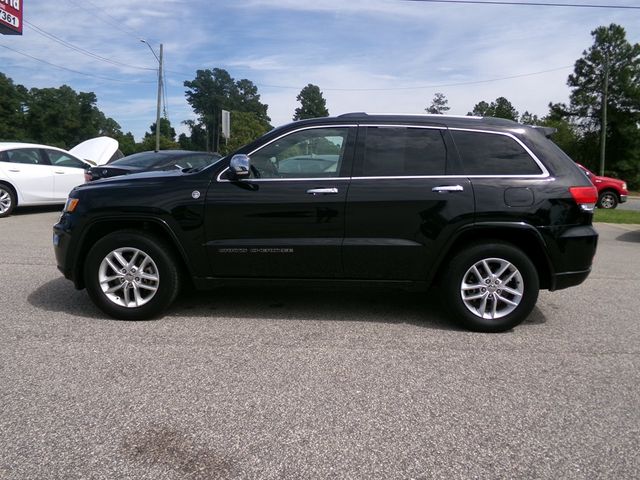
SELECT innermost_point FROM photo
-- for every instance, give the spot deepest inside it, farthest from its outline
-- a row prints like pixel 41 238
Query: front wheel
pixel 608 200
pixel 491 287
pixel 131 275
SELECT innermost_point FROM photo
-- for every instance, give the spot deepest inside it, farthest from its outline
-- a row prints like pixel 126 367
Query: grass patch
pixel 616 216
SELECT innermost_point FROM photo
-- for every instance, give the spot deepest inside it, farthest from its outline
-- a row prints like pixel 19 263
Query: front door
pixel 287 219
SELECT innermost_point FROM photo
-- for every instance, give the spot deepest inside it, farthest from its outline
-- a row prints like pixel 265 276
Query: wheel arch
pixel 610 190
pixel 103 227
pixel 522 236
pixel 13 189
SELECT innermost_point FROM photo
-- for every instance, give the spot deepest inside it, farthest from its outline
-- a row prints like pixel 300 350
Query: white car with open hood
pixel 32 174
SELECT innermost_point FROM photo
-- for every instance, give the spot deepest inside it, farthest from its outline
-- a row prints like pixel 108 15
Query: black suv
pixel 490 209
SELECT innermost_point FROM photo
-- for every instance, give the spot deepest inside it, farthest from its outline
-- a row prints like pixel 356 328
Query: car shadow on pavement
pixel 633 236
pixel 39 209
pixel 59 296
pixel 423 309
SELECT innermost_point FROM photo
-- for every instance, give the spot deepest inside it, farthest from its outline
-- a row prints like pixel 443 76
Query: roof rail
pixel 353 114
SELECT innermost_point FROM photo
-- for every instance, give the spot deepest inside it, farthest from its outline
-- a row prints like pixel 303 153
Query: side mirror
pixel 240 166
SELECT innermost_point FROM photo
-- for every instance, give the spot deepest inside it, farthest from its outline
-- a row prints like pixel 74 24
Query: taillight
pixel 586 197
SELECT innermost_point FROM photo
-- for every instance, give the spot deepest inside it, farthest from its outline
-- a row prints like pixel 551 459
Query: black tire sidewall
pixel 157 250
pixel 458 267
pixel 12 197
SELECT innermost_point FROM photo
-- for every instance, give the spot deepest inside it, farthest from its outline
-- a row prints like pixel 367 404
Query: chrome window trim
pixel 295 179
pixel 544 175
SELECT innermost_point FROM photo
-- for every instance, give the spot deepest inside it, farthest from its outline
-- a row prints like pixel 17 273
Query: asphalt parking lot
pixel 298 383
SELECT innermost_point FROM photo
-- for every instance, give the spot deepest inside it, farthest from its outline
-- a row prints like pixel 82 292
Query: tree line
pixel 600 127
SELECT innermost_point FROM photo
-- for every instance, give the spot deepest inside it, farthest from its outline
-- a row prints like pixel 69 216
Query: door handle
pixel 15 170
pixel 59 173
pixel 322 191
pixel 448 188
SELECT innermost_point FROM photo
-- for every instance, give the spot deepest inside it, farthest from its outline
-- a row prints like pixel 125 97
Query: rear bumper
pixel 573 256
pixel 568 279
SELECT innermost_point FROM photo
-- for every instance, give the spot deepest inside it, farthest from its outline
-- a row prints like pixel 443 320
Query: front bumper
pixel 623 198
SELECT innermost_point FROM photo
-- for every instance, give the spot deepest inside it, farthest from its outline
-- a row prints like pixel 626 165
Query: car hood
pixel 608 179
pixel 97 150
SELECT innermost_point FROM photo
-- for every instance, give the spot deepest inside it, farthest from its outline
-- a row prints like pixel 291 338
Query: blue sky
pixel 365 55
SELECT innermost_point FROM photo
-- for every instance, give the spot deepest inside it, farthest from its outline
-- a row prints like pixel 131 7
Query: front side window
pixel 404 151
pixel 63 160
pixel 493 154
pixel 311 153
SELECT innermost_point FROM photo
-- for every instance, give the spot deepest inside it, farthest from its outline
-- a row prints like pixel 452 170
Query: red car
pixel 611 191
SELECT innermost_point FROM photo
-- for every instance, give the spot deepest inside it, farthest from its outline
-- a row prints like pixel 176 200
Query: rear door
pixel 402 204
pixel 288 219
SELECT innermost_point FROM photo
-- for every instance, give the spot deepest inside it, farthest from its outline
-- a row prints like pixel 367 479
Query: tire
pixel 608 199
pixel 490 307
pixel 7 200
pixel 113 278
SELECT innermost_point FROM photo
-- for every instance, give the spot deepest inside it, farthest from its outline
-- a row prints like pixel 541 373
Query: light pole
pixel 159 59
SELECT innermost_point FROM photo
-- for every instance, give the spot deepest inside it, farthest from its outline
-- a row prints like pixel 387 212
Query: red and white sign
pixel 11 17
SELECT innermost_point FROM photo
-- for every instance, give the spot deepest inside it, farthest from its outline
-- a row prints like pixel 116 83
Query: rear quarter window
pixel 484 153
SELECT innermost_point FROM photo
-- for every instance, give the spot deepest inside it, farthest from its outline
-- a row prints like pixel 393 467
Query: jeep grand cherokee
pixel 490 209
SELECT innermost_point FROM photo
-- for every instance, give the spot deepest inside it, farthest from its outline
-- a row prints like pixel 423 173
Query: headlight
pixel 624 186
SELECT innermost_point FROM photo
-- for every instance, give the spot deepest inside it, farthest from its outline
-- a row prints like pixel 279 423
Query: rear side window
pixel 403 151
pixel 493 154
pixel 26 156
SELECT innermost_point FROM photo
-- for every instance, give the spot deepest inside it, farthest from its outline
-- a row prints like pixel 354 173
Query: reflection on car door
pixel 282 225
pixel 401 204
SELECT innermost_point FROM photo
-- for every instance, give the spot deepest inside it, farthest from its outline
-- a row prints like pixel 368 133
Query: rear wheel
pixel 131 275
pixel 608 199
pixel 7 200
pixel 491 287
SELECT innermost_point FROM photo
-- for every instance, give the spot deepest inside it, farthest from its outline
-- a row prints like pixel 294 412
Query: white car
pixel 32 174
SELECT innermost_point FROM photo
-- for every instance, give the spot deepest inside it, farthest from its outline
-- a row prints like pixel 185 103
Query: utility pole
pixel 159 100
pixel 603 128
pixel 159 59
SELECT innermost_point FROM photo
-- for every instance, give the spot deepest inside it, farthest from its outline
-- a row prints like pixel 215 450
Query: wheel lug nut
pixel 137 279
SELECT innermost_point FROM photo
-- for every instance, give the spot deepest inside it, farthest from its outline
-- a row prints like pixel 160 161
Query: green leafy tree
pixel 127 143
pixel 439 104
pixel 215 90
pixel 528 118
pixel 607 79
pixel 500 108
pixel 312 103
pixel 167 137
pixel 245 127
pixel 63 117
pixel 197 140
pixel 12 109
